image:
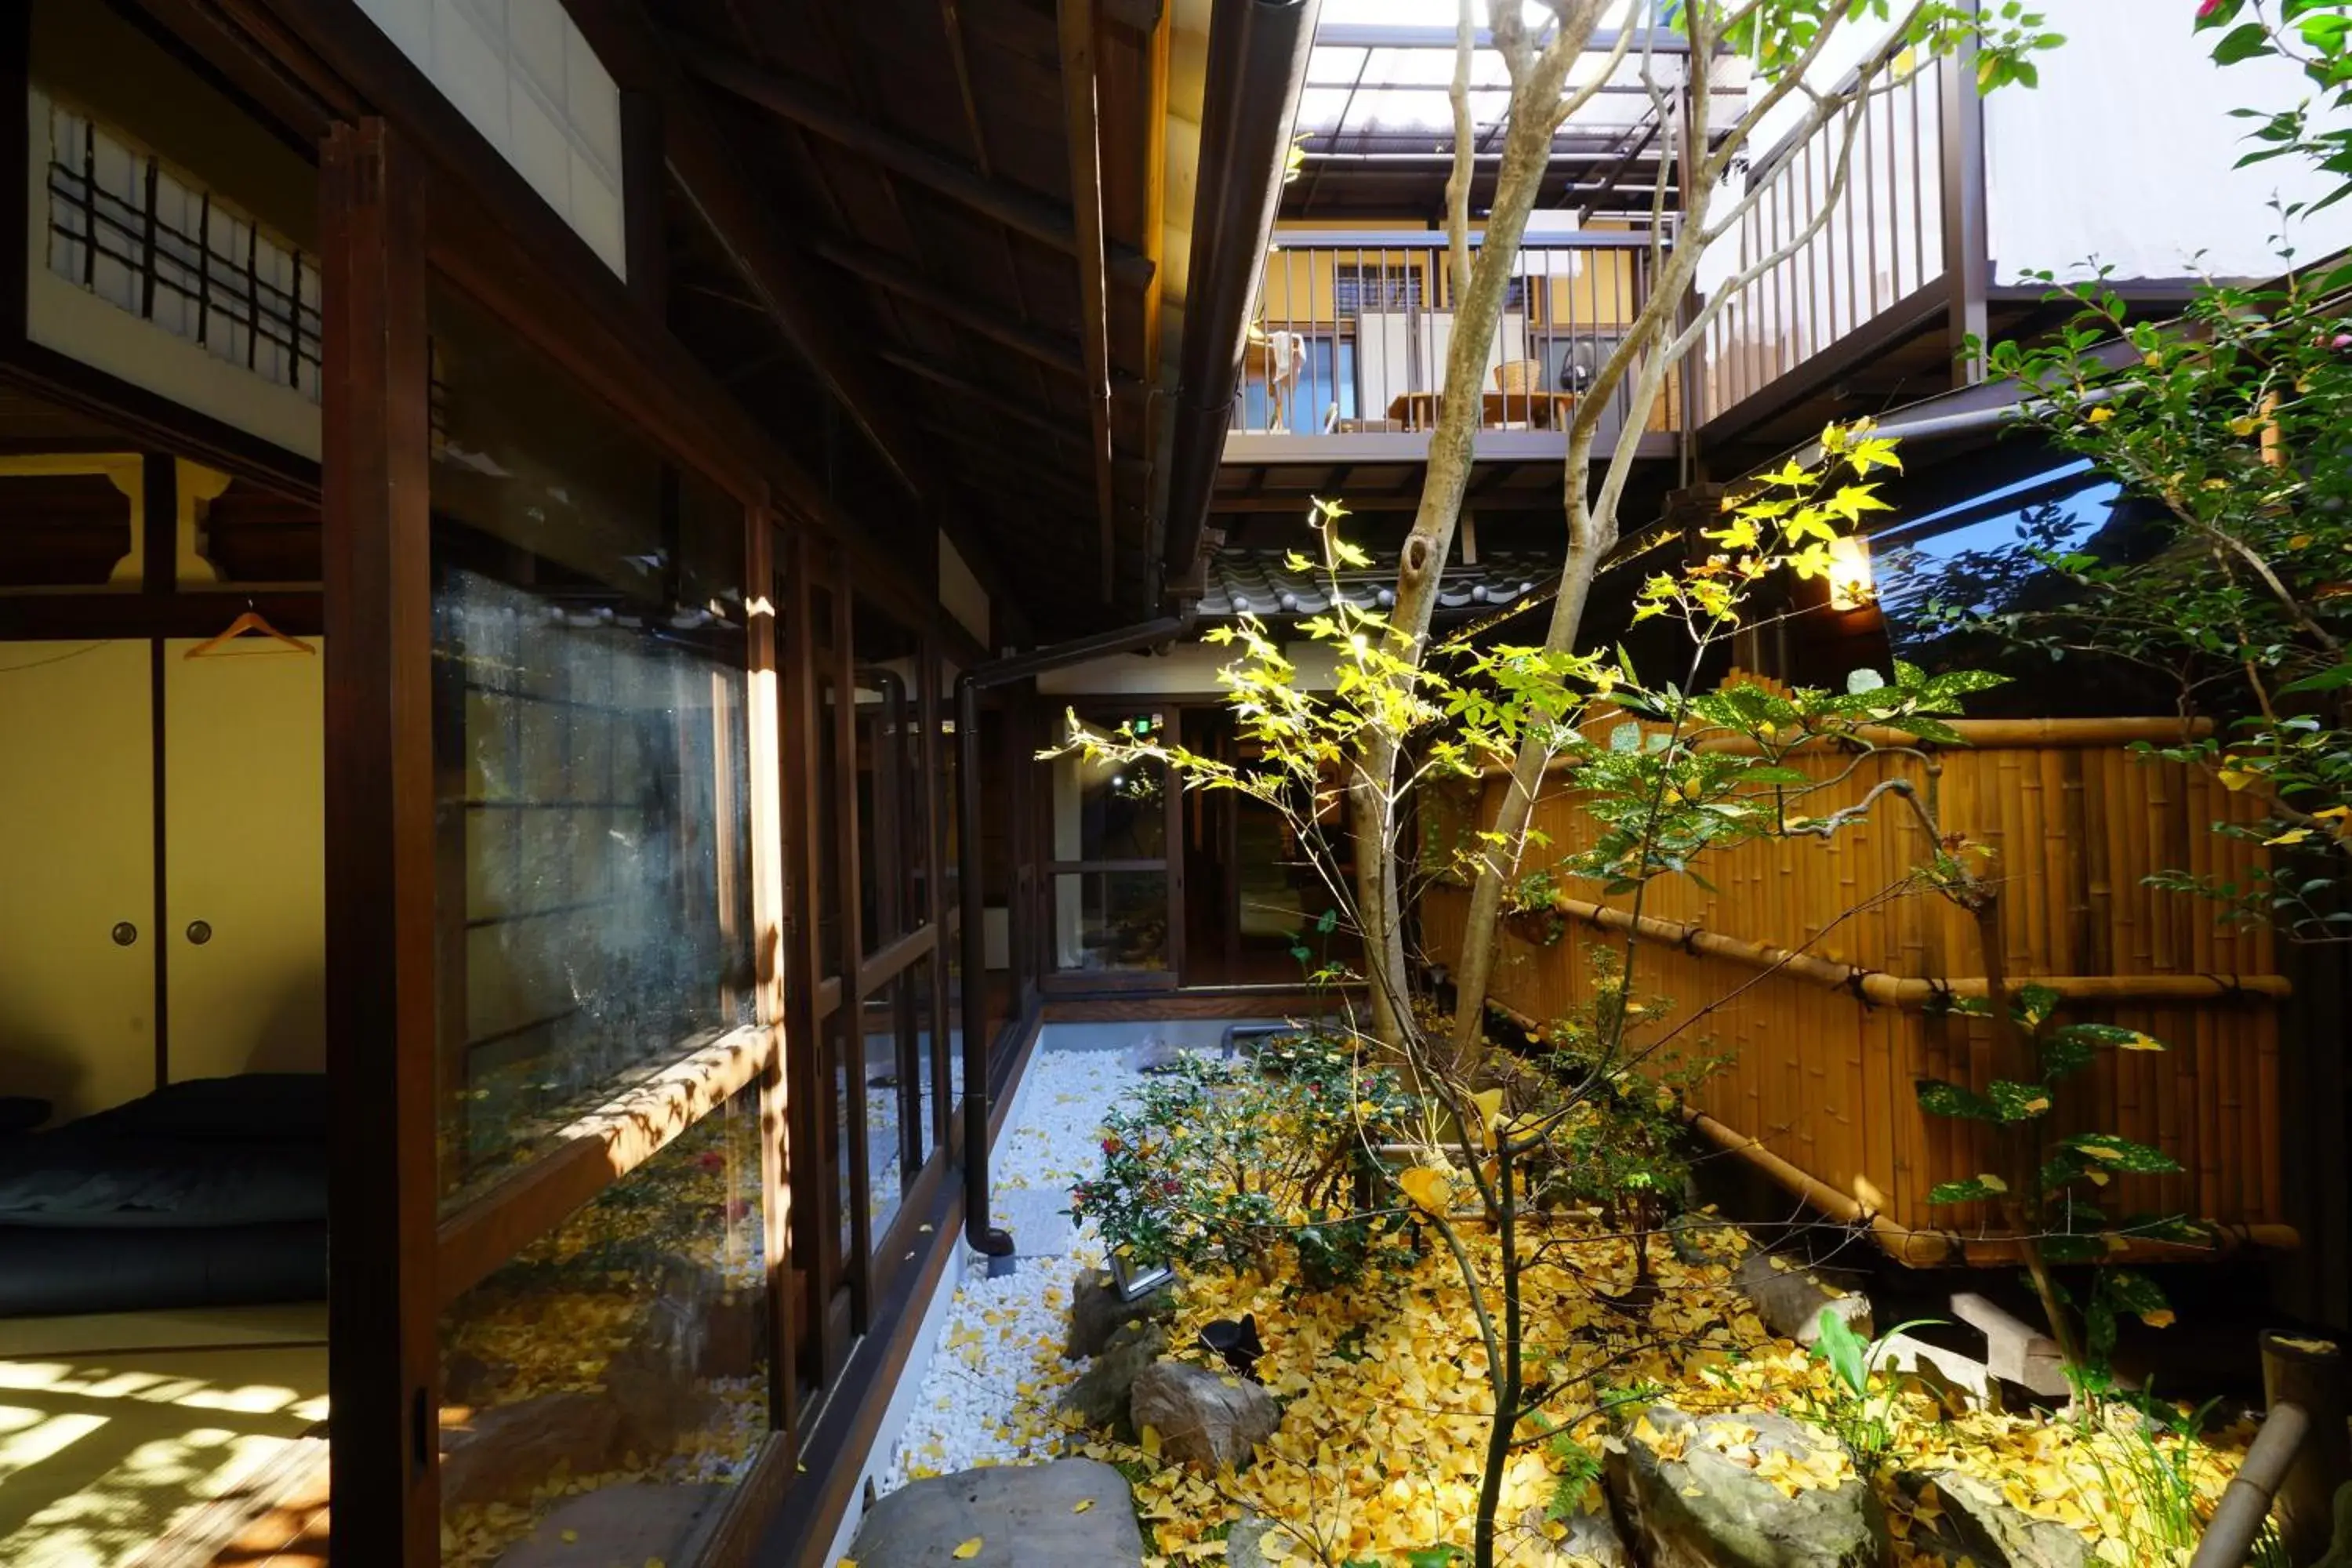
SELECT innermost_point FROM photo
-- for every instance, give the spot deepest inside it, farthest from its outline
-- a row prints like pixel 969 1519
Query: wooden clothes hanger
pixel 250 621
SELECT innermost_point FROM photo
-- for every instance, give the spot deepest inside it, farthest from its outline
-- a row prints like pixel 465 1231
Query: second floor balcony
pixel 1348 356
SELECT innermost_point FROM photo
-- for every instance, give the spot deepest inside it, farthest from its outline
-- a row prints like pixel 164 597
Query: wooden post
pixel 1968 261
pixel 2309 1374
pixel 771 922
pixel 382 1357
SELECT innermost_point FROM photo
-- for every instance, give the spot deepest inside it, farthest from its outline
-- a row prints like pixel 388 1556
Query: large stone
pixel 1791 1298
pixel 503 1452
pixel 1208 1420
pixel 1592 1541
pixel 632 1523
pixel 1100 1395
pixel 1966 1519
pixel 1707 1507
pixel 1593 1537
pixel 1245 1542
pixel 1097 1311
pixel 1023 1516
pixel 471 1380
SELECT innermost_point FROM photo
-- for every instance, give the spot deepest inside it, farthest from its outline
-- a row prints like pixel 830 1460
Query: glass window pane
pixel 590 753
pixel 827 845
pixel 1110 920
pixel 1111 811
pixel 929 1046
pixel 886 1042
pixel 893 835
pixel 626 1349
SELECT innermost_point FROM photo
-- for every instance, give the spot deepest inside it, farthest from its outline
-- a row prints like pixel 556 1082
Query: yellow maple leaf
pixel 2159 1319
pixel 1489 1102
pixel 1428 1187
pixel 968 1551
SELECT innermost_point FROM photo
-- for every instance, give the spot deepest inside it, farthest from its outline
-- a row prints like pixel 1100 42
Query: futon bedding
pixel 202 1194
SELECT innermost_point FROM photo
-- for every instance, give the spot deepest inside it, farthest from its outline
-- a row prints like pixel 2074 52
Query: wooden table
pixel 1538 410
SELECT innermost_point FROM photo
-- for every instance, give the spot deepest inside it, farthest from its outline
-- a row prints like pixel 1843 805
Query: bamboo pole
pixel 1881 989
pixel 1987 734
pixel 1929 1248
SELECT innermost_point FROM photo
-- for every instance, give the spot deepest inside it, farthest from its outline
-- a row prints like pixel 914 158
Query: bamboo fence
pixel 1823 979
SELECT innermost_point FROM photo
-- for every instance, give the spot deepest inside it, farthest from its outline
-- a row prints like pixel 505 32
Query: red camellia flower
pixel 1110 1145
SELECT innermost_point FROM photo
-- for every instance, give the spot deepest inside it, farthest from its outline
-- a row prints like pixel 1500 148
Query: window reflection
pixel 626 1349
pixel 590 754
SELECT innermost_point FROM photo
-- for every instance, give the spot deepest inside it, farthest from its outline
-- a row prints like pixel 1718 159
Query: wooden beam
pixel 951 24
pixel 886 272
pixel 1082 121
pixel 997 402
pixel 709 173
pixel 1033 215
pixel 1617 171
pixel 644 200
pixel 383 1357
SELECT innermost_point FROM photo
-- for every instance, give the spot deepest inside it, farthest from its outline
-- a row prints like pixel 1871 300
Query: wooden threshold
pixel 593 1154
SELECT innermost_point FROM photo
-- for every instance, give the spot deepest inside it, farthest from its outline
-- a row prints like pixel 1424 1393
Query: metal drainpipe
pixel 983 1237
pixel 1257 63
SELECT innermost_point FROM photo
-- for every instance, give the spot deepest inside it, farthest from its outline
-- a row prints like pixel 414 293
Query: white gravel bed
pixel 989 1391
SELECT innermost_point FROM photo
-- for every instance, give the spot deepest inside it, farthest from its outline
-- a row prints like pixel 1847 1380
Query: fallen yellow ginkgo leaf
pixel 1083 1504
pixel 969 1549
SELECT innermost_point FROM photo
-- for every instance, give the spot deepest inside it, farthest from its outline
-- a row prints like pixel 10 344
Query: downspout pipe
pixel 1257 65
pixel 985 1239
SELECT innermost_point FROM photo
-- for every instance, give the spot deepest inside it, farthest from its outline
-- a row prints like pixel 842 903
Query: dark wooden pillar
pixel 645 182
pixel 382 1370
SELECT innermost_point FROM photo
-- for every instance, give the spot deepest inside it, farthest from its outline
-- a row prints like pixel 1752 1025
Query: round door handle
pixel 200 931
pixel 125 934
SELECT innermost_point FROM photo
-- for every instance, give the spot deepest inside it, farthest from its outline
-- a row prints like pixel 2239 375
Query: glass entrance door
pixel 1114 905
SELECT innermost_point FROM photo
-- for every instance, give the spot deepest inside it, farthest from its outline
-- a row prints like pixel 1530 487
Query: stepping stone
pixel 1023 1516
pixel 633 1523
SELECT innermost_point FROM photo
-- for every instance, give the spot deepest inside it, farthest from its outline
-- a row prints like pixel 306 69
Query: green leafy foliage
pixel 2231 596
pixel 1220 1163
pixel 1852 1411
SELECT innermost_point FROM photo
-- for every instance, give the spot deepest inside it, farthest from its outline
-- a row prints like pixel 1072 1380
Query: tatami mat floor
pixel 153 1439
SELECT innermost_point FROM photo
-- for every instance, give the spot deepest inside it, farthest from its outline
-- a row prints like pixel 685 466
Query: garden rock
pixel 470 1380
pixel 1023 1516
pixel 1100 1394
pixel 1707 1509
pixel 629 1523
pixel 1975 1525
pixel 1206 1419
pixel 1591 1539
pixel 1245 1542
pixel 506 1451
pixel 1789 1298
pixel 1699 1240
pixel 1097 1311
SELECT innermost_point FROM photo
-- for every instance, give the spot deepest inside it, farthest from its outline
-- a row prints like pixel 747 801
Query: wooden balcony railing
pixel 1354 328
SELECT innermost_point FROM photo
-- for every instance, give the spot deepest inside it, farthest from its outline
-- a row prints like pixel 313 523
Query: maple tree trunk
pixel 1508 1386
pixel 1526 150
